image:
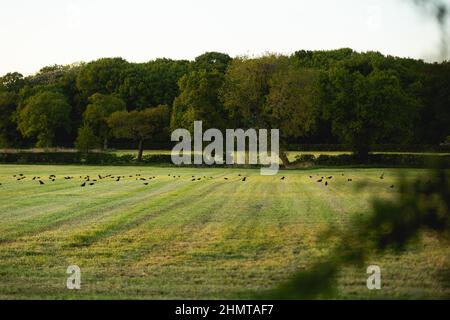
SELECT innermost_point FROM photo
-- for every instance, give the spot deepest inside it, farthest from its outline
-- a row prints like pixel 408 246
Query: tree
pixel 42 114
pixel 8 132
pixel 245 89
pixel 151 83
pixel 272 92
pixel 101 76
pixel 199 101
pixel 100 107
pixel 291 105
pixel 212 61
pixel 140 125
pixel 367 105
pixel 12 82
pixel 86 139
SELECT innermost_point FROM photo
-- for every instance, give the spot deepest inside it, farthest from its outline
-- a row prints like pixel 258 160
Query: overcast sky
pixel 34 34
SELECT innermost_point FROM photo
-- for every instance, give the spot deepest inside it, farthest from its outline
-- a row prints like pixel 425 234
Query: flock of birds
pixel 327 180
pixel 91 181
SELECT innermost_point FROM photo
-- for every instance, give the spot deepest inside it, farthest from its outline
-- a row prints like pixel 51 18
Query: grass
pixel 176 238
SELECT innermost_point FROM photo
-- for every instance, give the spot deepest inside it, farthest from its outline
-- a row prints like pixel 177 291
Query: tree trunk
pixel 141 150
pixel 105 143
pixel 361 153
pixel 284 159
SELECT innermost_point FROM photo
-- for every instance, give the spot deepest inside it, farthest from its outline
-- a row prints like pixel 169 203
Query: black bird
pixel 118 179
pixel 34 178
pixel 329 178
pixel 326 184
pixel 41 182
pixel 320 181
pixel 193 180
pixel 83 185
pixel 21 174
pixel 245 179
pixel 239 175
pixel 350 180
pixel 310 177
pixel 226 178
pixel 283 178
pixel 382 176
pixel 91 184
pixel 146 184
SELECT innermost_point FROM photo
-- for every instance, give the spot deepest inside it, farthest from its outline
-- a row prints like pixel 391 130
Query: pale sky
pixel 34 34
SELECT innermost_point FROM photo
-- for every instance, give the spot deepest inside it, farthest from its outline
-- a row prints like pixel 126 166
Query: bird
pixel 239 175
pixel 226 178
pixel 146 184
pixel 283 178
pixel 193 180
pixel 310 177
pixel 83 184
pixel 91 184
pixel 320 180
pixel 382 176
pixel 34 178
pixel 326 184
pixel 41 182
pixel 245 179
pixel 350 180
pixel 330 177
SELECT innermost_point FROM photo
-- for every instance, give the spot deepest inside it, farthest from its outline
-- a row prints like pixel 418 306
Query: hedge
pixel 394 160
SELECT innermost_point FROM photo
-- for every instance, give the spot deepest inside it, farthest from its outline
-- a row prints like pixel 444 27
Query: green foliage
pixel 8 132
pixel 140 125
pixel 86 139
pixel 367 105
pixel 199 101
pixel 12 82
pixel 212 61
pixel 291 104
pixel 100 107
pixel 246 87
pixel 361 99
pixel 41 157
pixel 101 76
pixel 42 114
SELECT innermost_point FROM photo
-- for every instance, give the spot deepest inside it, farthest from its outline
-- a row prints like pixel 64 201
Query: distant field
pixel 176 238
pixel 291 154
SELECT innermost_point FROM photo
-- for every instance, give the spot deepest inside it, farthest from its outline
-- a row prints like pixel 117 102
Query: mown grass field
pixel 178 238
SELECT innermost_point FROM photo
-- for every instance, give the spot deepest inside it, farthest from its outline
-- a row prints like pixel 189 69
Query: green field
pixel 178 238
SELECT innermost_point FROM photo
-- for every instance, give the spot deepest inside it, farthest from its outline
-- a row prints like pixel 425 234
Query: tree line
pixel 313 97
